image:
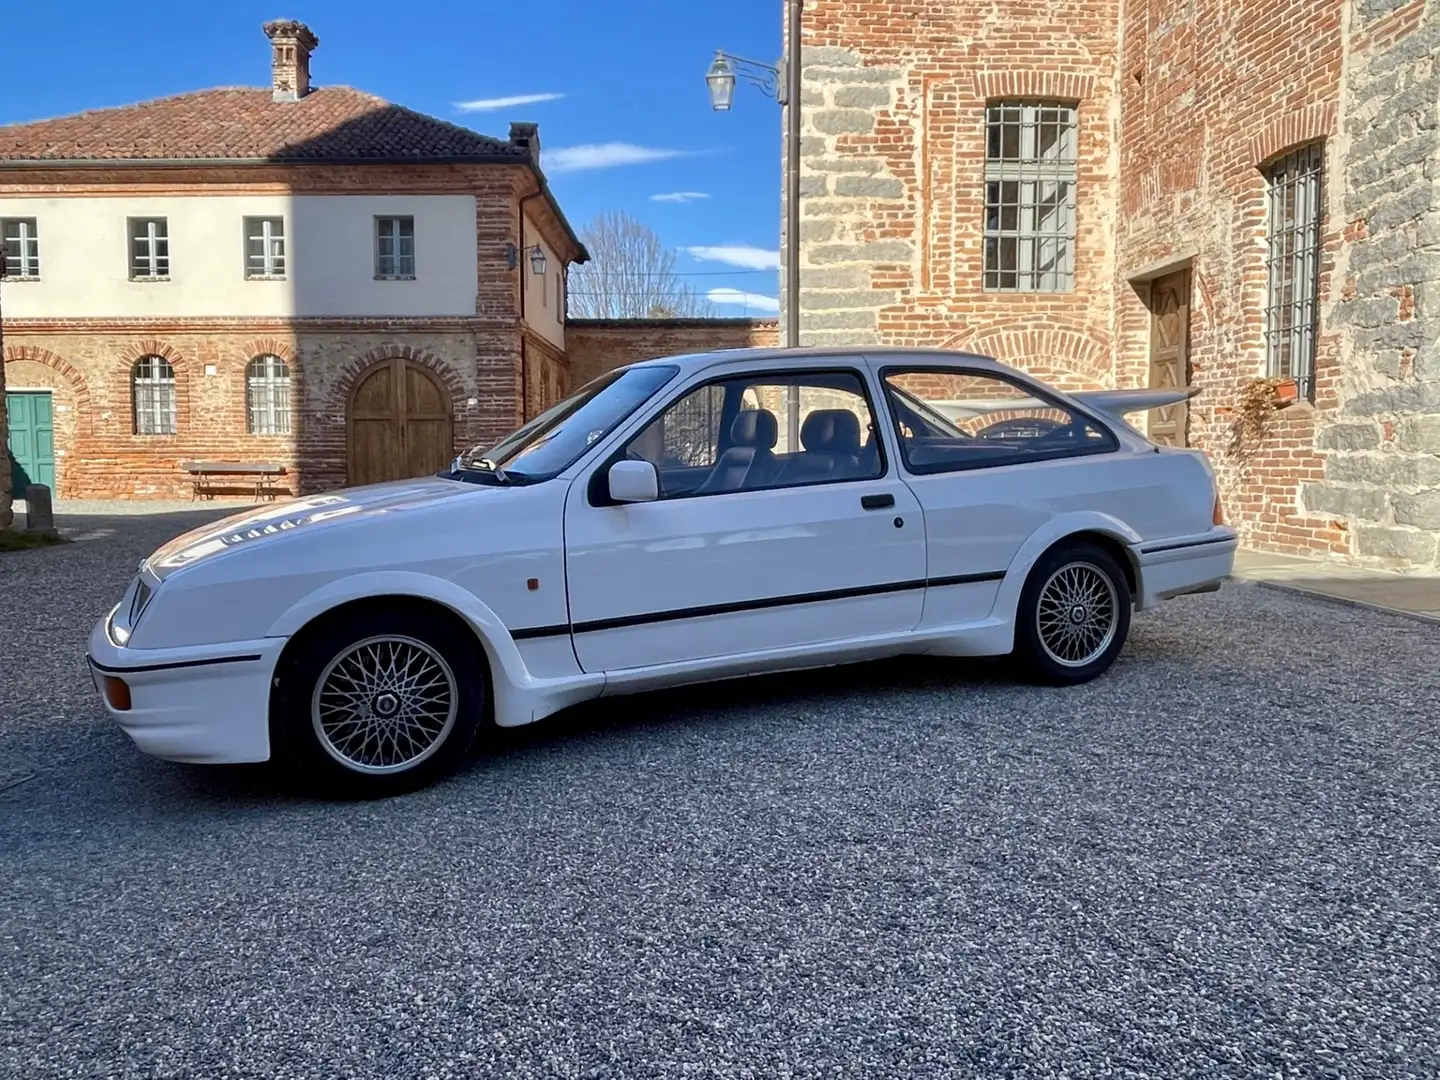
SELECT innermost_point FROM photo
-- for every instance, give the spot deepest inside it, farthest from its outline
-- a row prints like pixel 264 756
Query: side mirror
pixel 634 481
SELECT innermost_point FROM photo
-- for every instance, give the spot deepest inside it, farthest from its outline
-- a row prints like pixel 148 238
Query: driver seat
pixel 749 462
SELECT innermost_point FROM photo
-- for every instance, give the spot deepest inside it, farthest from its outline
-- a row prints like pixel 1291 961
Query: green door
pixel 32 440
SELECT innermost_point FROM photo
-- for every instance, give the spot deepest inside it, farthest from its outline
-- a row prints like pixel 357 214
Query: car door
pixel 761 539
pixel 990 461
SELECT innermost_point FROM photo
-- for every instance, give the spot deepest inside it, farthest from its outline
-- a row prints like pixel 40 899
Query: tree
pixel 630 275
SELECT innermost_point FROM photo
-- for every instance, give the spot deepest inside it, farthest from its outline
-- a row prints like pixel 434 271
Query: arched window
pixel 267 396
pixel 152 389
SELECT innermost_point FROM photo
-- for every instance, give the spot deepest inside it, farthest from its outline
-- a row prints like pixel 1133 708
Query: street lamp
pixel 781 81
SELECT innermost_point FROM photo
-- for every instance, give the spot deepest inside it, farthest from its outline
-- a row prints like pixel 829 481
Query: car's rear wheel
pixel 1073 616
pixel 379 703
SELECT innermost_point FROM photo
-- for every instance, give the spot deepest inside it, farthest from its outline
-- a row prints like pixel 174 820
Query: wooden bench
pixel 206 475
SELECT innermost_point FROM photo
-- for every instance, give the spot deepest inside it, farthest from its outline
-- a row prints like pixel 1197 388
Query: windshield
pixel 554 440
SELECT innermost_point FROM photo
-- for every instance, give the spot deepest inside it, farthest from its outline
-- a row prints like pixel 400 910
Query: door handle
pixel 877 502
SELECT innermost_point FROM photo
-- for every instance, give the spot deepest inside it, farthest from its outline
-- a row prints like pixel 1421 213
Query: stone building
pixel 1203 192
pixel 310 276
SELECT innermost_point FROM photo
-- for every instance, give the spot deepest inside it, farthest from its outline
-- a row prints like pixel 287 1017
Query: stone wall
pixel 98 455
pixel 1382 448
pixel 892 164
pixel 595 346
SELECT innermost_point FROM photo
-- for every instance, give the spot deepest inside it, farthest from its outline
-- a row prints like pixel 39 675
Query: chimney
pixel 291 45
pixel 527 137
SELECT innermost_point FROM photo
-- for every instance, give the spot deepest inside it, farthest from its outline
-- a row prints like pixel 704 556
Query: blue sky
pixel 629 75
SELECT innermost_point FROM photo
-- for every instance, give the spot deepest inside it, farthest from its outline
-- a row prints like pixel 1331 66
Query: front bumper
pixel 209 704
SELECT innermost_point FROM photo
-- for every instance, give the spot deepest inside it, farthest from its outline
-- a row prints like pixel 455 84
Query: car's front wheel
pixel 1074 615
pixel 379 703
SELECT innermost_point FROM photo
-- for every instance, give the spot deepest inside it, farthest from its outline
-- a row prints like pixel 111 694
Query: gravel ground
pixel 1220 861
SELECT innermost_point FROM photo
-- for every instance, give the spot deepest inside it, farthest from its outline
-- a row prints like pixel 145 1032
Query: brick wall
pixel 1212 90
pixel 892 165
pixel 595 346
pixel 98 454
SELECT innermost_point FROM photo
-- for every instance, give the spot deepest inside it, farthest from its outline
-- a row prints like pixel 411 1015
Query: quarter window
pixel 149 248
pixel 267 396
pixel 264 247
pixel 1293 265
pixel 22 247
pixel 948 421
pixel 395 247
pixel 734 435
pixel 1030 156
pixel 152 389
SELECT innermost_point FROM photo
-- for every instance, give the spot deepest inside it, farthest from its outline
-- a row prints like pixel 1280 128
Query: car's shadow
pixel 706 709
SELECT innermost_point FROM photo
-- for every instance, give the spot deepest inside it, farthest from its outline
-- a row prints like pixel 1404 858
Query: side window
pixel 951 420
pixel 753 433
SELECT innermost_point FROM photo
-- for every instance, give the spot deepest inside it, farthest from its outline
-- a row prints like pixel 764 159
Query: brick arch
pixel 1052 348
pixel 1291 131
pixel 131 356
pixel 350 374
pixel 268 347
pixel 67 371
pixel 1033 83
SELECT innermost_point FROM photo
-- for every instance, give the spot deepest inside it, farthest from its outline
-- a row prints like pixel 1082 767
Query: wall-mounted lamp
pixel 537 258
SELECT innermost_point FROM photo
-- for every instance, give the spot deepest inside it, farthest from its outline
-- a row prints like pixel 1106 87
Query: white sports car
pixel 674 521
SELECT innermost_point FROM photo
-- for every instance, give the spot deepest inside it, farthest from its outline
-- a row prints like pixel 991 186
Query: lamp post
pixel 781 81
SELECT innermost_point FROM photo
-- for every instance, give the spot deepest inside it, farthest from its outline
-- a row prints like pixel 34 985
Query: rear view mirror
pixel 634 481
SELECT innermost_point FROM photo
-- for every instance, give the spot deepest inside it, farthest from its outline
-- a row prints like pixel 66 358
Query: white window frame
pixel 268 264
pixel 1042 213
pixel 26 258
pixel 149 251
pixel 396 265
pixel 153 396
pixel 267 395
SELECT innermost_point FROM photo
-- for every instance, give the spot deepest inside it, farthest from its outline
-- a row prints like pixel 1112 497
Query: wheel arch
pixel 1107 532
pixel 507 677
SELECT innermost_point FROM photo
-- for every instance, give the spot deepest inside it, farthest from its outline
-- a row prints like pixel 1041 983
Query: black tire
pixel 1044 656
pixel 425 644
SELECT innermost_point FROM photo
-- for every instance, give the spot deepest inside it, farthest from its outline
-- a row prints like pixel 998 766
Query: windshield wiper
pixel 486 467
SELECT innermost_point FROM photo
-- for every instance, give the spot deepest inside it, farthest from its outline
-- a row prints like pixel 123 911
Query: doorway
pixel 1170 355
pixel 399 424
pixel 31 416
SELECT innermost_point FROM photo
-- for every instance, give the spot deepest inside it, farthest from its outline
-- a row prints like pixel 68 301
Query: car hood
pixel 313 512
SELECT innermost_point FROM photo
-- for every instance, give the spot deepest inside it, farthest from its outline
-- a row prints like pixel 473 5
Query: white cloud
pixel 747 299
pixel 742 255
pixel 603 156
pixel 679 196
pixel 491 104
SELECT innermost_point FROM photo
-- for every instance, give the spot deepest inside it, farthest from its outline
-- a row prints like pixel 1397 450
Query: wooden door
pixel 398 424
pixel 1170 355
pixel 31 441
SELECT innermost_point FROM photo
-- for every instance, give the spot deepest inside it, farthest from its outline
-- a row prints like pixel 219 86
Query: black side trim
pixel 529 633
pixel 965 579
pixel 676 614
pixel 171 667
pixel 1186 544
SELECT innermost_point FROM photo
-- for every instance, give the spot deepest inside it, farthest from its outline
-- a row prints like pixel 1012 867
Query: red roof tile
pixel 334 123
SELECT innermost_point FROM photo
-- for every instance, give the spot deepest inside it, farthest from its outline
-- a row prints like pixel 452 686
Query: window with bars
pixel 149 248
pixel 152 387
pixel 395 247
pixel 1293 266
pixel 267 396
pixel 1030 165
pixel 22 247
pixel 264 247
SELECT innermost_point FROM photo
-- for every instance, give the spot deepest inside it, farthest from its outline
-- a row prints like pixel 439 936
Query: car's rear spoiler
pixel 1119 403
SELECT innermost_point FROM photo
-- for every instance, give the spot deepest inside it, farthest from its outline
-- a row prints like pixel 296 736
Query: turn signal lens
pixel 1219 517
pixel 117 693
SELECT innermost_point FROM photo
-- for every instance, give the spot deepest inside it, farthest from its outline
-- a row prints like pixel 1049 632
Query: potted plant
pixel 1254 407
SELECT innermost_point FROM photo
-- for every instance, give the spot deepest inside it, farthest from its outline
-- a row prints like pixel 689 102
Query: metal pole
pixel 792 178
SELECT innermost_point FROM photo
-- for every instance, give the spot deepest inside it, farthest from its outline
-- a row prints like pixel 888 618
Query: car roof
pixel 691 362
